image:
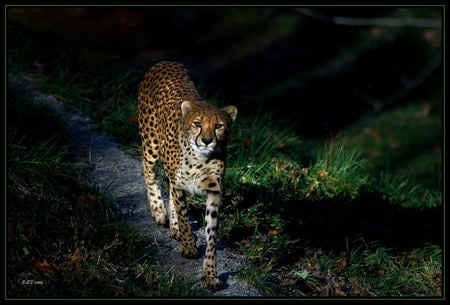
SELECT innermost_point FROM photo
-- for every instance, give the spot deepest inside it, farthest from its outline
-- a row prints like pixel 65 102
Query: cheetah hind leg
pixel 174 230
pixel 157 208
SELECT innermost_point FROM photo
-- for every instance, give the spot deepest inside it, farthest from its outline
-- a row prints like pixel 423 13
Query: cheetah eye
pixel 218 126
pixel 197 124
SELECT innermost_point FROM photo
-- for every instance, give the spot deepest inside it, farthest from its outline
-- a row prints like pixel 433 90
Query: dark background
pixel 317 69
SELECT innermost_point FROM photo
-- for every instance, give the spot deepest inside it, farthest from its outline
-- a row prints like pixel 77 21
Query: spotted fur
pixel 189 136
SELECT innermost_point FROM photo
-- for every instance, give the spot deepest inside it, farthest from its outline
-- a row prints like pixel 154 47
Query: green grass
pixel 110 101
pixel 271 191
pixel 406 192
pixel 336 173
pixel 405 141
pixel 357 215
pixel 82 79
pixel 366 270
pixel 65 239
pixel 414 273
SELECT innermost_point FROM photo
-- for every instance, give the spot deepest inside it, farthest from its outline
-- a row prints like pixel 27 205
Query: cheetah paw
pixel 189 252
pixel 174 233
pixel 212 283
pixel 160 218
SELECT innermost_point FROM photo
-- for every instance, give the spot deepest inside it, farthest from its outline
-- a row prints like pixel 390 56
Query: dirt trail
pixel 121 175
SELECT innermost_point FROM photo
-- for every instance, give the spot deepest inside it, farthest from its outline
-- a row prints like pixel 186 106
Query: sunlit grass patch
pixel 264 155
pixel 336 173
pixel 273 158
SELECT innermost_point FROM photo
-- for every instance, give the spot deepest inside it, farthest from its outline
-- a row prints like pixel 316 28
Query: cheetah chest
pixel 200 176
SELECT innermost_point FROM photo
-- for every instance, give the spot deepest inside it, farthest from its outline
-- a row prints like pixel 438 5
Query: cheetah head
pixel 207 126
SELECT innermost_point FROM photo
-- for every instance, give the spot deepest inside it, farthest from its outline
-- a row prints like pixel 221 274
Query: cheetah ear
pixel 186 106
pixel 231 111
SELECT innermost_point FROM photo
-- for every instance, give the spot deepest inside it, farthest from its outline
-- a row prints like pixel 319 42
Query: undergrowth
pixel 279 207
pixel 65 239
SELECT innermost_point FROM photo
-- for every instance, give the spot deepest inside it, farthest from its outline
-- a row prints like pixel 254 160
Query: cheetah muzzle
pixel 189 135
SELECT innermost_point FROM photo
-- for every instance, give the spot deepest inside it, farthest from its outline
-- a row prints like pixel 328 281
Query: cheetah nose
pixel 206 141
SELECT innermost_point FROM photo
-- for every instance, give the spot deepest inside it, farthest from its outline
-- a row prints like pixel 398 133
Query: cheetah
pixel 189 135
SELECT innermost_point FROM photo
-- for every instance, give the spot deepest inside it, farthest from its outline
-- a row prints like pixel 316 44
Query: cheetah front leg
pixel 188 248
pixel 210 279
pixel 154 197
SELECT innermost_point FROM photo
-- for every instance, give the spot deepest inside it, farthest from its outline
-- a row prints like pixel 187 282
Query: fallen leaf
pixel 32 231
pixel 425 112
pixel 323 173
pixel 76 255
pixel 275 231
pixel 432 37
pixel 340 293
pixel 289 282
pixel 44 267
pixel 375 134
pixel 87 200
pixel 342 262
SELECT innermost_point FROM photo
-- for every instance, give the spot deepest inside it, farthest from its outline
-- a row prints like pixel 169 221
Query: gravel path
pixel 110 168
